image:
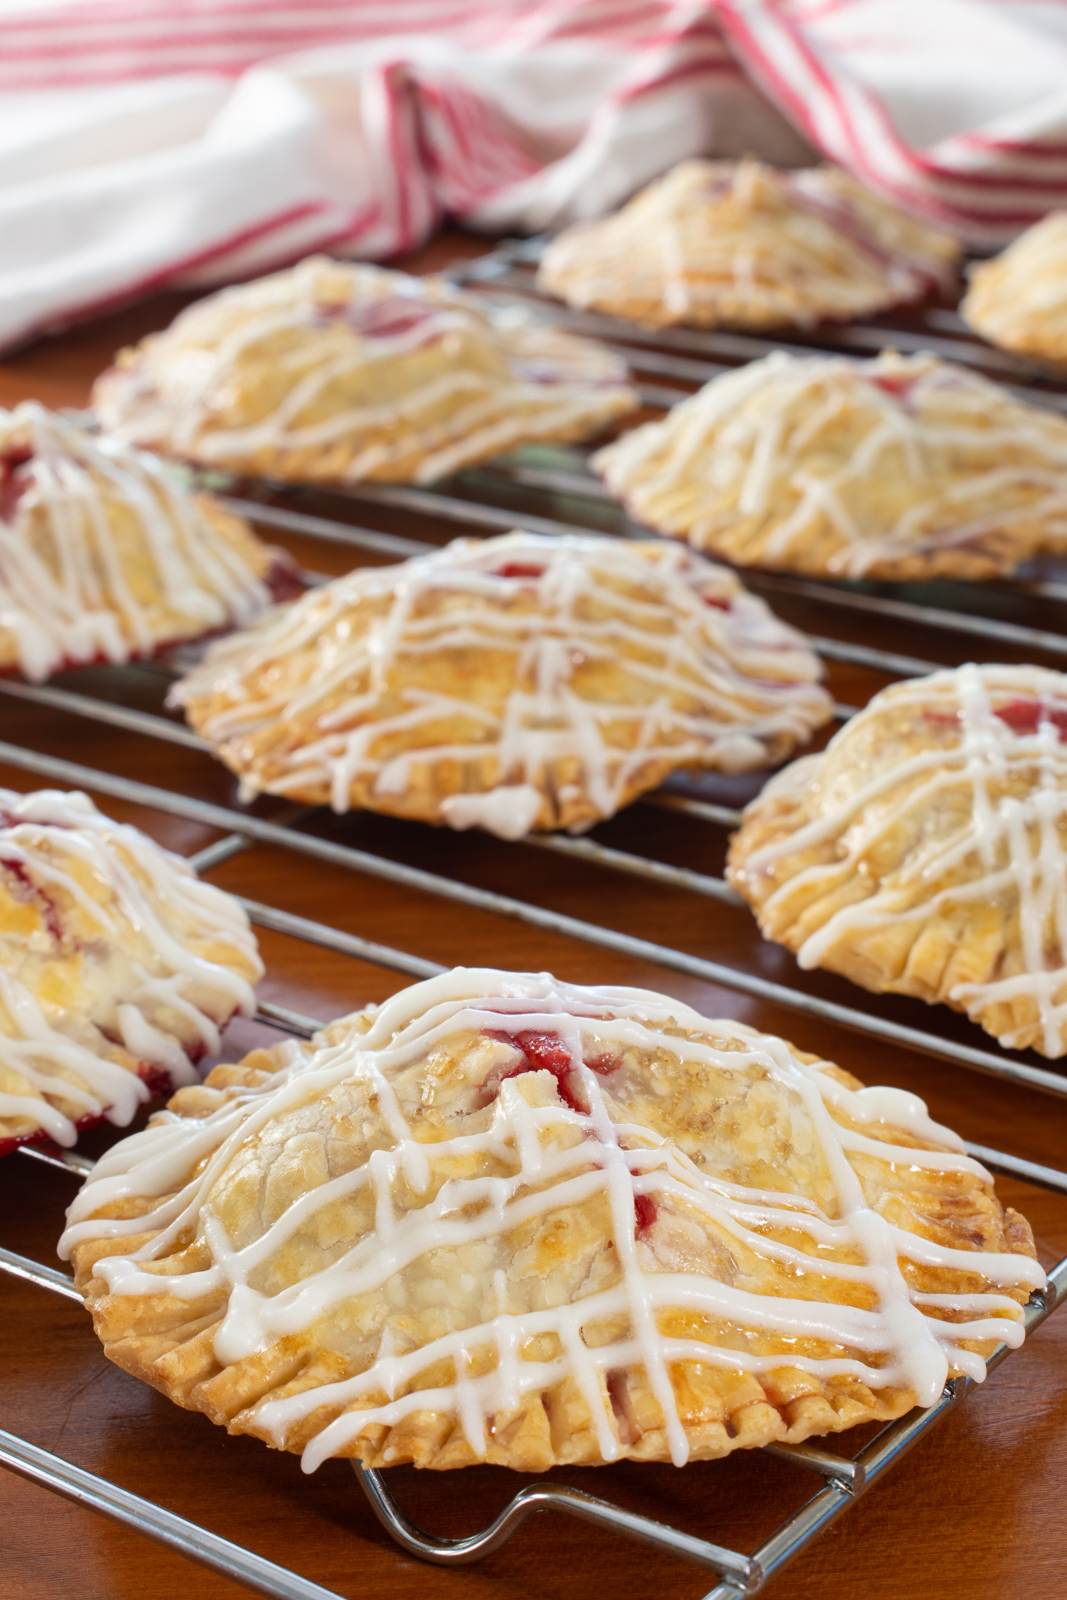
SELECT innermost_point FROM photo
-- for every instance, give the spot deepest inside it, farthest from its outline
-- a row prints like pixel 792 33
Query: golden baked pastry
pixel 898 468
pixel 340 373
pixel 513 684
pixel 1019 299
pixel 105 555
pixel 745 245
pixel 924 852
pixel 507 1219
pixel 118 967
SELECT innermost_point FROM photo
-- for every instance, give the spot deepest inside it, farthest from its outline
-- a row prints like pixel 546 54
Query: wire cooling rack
pixel 552 490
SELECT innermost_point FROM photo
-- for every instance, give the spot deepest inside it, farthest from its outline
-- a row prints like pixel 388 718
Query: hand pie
pixel 106 556
pixel 899 468
pixel 340 373
pixel 118 967
pixel 743 245
pixel 513 684
pixel 508 1219
pixel 925 851
pixel 1019 299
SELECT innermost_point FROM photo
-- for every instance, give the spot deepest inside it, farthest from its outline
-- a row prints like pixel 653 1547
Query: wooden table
pixel 976 1510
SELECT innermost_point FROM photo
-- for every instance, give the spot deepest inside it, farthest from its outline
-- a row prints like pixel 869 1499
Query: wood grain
pixel 976 1510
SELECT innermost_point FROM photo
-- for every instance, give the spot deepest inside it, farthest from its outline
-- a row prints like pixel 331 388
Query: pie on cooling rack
pixel 513 684
pixel 334 372
pixel 742 244
pixel 118 967
pixel 507 1219
pixel 925 851
pixel 1019 299
pixel 898 468
pixel 105 555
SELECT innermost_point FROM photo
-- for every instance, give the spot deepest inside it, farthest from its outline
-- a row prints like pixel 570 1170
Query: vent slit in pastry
pixel 515 683
pixel 118 967
pixel 504 1218
pixel 925 851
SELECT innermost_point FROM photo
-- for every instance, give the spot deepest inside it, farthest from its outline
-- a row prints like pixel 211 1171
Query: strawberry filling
pixel 519 569
pixel 644 1213
pixel 390 317
pixel 898 384
pixel 546 1052
pixel 717 601
pixel 33 891
pixel 1021 716
pixel 13 481
pixel 159 1083
pixel 1027 716
pixel 542 1052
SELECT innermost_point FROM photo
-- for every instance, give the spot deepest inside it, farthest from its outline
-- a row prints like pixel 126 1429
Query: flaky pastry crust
pixel 337 373
pixel 900 468
pixel 118 968
pixel 514 684
pixel 106 555
pixel 924 852
pixel 745 245
pixel 511 1220
pixel 1019 299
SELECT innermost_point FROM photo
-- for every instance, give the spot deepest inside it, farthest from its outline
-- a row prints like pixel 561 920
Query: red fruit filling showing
pixel 542 1052
pixel 519 569
pixel 717 601
pixel 644 1213
pixel 13 481
pixel 1021 716
pixel 387 318
pixel 546 1052
pixel 899 385
pixel 159 1084
pixel 33 891
pixel 1026 716
pixel 283 579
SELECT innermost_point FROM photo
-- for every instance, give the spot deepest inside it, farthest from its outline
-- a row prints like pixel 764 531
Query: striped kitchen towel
pixel 144 142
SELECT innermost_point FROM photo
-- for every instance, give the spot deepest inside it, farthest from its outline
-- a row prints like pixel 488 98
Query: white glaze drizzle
pixel 179 1161
pixel 502 377
pixel 726 241
pixel 751 444
pixel 70 600
pixel 1020 842
pixel 721 665
pixel 47 840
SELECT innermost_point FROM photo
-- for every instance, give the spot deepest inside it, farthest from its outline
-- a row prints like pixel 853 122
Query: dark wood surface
pixel 975 1510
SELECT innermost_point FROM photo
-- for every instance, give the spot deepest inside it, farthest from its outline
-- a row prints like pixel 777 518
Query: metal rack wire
pixel 553 491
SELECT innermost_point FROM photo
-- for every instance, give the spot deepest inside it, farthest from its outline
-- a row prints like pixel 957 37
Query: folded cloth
pixel 143 144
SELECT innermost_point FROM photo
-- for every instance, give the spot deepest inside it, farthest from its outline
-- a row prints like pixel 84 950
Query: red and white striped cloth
pixel 145 143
